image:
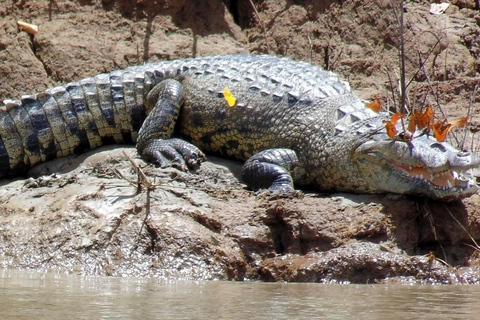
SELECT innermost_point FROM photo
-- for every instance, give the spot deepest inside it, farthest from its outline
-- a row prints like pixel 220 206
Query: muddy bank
pixel 92 217
pixel 89 215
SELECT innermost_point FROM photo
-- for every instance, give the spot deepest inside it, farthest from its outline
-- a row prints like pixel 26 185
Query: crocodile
pixel 291 122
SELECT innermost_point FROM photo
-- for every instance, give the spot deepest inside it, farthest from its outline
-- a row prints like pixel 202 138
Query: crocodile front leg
pixel 154 143
pixel 274 169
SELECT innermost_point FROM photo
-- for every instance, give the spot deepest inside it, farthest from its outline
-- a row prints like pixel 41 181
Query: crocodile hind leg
pixel 274 169
pixel 154 143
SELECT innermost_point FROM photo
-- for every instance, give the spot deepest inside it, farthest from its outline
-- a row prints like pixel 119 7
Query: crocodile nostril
pixel 463 154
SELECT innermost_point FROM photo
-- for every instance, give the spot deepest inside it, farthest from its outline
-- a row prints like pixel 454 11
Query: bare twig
pixel 434 231
pixel 470 112
pixel 336 59
pixel 50 8
pixel 326 57
pixel 472 143
pixel 143 180
pixel 147 213
pixel 311 48
pixel 463 228
pixel 394 99
pixel 402 62
pixel 422 62
pixel 261 25
pixel 437 100
pixel 194 45
pixel 403 94
pixel 445 263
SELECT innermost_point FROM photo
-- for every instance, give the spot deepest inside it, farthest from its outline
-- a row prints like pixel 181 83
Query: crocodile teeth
pixel 462 183
pixel 445 179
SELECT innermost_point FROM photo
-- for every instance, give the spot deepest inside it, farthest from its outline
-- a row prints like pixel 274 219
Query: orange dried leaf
pixel 412 122
pixel 440 130
pixel 395 117
pixel 375 105
pixel 425 120
pixel 390 126
pixel 459 122
pixel 391 129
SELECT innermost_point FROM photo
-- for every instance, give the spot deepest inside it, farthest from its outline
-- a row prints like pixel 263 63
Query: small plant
pixel 415 119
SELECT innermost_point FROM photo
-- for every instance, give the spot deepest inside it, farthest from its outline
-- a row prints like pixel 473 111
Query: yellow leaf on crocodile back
pixel 231 100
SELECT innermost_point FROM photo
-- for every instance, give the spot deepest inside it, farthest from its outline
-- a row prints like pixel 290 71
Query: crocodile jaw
pixel 422 167
pixel 446 185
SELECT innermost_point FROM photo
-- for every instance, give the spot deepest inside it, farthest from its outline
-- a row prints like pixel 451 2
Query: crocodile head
pixel 421 167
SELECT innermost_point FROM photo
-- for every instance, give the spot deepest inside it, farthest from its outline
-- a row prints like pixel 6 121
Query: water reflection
pixel 31 295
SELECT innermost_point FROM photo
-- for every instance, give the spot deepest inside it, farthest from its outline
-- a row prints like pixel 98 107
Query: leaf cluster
pixel 417 120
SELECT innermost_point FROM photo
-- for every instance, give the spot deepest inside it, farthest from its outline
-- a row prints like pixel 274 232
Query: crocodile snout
pixel 464 159
pixel 463 154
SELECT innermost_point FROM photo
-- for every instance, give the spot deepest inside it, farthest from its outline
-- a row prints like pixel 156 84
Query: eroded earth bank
pixel 91 214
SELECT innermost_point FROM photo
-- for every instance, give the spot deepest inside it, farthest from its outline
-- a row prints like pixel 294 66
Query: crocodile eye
pixel 438 147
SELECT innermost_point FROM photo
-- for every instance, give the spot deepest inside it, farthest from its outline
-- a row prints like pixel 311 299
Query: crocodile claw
pixel 173 153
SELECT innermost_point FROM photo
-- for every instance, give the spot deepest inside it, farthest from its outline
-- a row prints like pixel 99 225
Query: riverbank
pixel 88 214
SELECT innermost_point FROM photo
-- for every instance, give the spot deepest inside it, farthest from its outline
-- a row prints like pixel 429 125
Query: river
pixel 35 295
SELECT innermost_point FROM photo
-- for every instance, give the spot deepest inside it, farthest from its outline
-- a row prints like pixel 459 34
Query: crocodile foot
pixel 173 152
pixel 273 169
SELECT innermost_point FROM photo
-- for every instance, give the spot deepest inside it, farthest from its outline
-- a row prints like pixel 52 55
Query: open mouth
pixel 447 179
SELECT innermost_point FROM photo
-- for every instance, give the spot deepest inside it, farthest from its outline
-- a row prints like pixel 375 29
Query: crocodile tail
pixel 12 153
pixel 25 136
pixel 70 119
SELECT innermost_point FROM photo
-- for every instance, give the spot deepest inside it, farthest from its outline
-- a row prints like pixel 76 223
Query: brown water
pixel 32 295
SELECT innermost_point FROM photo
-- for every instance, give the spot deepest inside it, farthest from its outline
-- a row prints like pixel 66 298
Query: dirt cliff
pixel 91 214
